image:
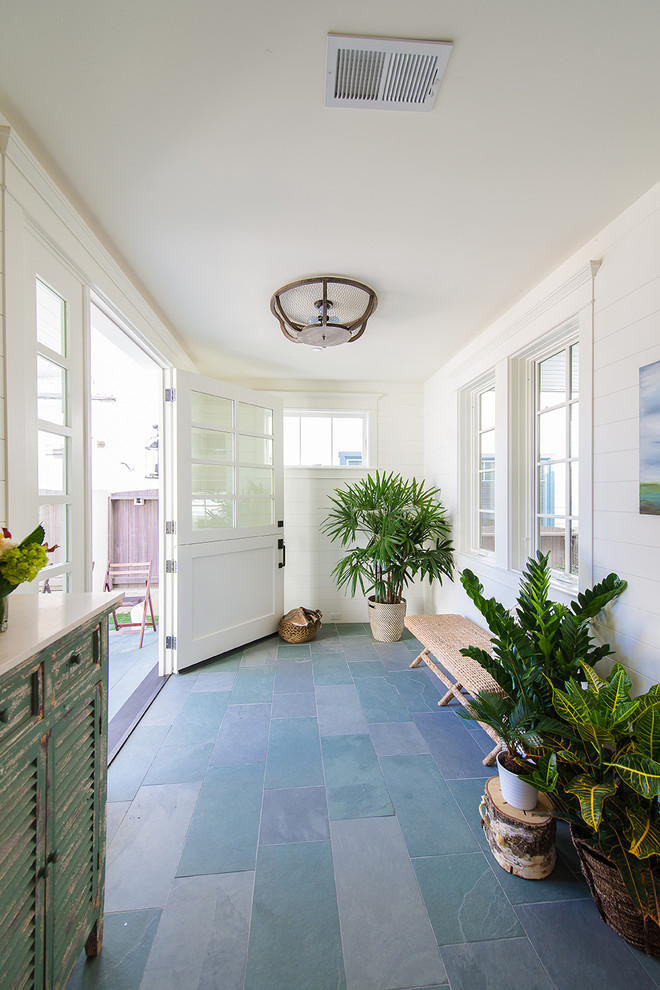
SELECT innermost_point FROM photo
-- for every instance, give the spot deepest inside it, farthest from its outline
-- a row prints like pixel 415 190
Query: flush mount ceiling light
pixel 323 311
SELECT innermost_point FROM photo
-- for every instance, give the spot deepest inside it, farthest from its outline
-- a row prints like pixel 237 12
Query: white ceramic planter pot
pixel 516 792
pixel 386 620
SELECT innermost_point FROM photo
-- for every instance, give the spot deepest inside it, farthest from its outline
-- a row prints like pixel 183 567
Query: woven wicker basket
pixel 387 621
pixel 613 901
pixel 300 625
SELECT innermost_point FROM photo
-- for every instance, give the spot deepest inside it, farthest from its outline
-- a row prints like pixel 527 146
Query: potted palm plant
pixel 395 530
pixel 537 646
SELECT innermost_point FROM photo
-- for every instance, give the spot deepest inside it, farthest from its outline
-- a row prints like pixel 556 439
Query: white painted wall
pixel 626 335
pixel 397 412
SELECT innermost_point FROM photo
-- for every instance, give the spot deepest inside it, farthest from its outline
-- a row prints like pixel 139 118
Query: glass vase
pixel 4 612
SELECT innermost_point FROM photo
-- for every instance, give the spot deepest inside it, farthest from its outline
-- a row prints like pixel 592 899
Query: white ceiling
pixel 193 133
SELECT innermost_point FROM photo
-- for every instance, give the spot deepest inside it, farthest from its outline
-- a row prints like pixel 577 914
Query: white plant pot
pixel 516 792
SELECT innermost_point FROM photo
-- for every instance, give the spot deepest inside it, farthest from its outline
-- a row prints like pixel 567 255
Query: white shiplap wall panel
pixel 310 555
pixel 626 335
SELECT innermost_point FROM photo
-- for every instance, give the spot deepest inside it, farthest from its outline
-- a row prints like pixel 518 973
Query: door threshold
pixel 125 720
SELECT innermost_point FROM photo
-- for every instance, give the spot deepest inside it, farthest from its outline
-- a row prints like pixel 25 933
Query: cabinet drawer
pixel 21 700
pixel 76 657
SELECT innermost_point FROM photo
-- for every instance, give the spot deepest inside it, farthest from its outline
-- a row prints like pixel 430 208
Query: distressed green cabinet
pixel 53 748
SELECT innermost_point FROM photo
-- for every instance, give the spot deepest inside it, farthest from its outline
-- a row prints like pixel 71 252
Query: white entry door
pixel 224 525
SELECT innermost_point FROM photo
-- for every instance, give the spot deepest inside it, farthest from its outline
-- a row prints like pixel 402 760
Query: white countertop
pixel 36 621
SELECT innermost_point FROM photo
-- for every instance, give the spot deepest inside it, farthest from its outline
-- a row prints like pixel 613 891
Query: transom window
pixel 325 439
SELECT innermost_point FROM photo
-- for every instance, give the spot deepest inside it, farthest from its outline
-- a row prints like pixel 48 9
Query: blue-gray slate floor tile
pixel 305 817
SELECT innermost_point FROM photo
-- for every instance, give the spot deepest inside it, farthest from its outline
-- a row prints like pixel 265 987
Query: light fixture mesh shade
pixel 349 302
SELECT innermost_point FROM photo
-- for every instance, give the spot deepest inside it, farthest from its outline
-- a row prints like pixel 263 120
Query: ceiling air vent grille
pixel 384 73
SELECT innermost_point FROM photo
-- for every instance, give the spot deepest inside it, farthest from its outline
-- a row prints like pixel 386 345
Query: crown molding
pixel 548 302
pixel 16 151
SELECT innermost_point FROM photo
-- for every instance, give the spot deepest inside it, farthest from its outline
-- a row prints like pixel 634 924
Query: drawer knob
pixel 4 714
pixel 74 660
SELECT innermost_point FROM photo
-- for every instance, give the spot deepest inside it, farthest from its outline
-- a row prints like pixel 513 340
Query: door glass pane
pixel 209 512
pixel 552 380
pixel 52 463
pixel 55 521
pixel 552 540
pixel 213 444
pixel 552 435
pixel 255 512
pixel 51 319
pixel 256 450
pixel 212 480
pixel 56 583
pixel 255 481
pixel 51 391
pixel 487 410
pixel 254 419
pixel 212 410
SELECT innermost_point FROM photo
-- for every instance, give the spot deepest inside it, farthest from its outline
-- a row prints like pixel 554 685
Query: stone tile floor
pixel 306 818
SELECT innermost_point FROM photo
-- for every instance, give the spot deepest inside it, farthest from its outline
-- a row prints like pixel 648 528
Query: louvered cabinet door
pixel 22 864
pixel 75 830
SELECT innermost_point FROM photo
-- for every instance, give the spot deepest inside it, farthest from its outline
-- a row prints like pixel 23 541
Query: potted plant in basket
pixel 396 530
pixel 536 646
pixel 600 760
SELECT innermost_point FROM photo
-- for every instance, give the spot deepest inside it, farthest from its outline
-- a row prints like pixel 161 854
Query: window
pixel 325 438
pixel 556 457
pixel 485 471
pixel 53 428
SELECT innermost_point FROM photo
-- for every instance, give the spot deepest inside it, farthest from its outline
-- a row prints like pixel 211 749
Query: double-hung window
pixel 485 470
pixel 556 457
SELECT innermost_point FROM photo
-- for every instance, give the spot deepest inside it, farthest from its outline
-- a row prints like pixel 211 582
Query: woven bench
pixel 444 636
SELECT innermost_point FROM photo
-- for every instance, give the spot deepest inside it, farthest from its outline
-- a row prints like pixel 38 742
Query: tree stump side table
pixel 522 842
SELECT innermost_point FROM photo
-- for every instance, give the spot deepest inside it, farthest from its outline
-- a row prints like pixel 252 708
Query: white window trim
pixel 522 446
pixel 369 416
pixel 468 472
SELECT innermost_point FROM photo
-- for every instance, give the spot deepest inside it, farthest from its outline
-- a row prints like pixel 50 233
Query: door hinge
pixel 170 642
pixel 170 566
pixel 170 395
pixel 170 528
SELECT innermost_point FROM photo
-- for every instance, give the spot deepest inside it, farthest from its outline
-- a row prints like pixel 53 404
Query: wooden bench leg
pixel 453 692
pixel 423 655
pixel 489 761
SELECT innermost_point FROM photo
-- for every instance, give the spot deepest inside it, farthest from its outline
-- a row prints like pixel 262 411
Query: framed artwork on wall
pixel 649 439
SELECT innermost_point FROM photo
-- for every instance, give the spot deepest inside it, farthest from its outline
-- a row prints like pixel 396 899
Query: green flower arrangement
pixel 20 562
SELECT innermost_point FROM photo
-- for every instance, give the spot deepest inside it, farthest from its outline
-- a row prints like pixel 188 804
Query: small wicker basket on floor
pixel 300 625
pixel 613 901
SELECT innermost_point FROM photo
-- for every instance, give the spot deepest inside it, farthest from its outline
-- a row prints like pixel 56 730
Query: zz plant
pixel 536 646
pixel 600 759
